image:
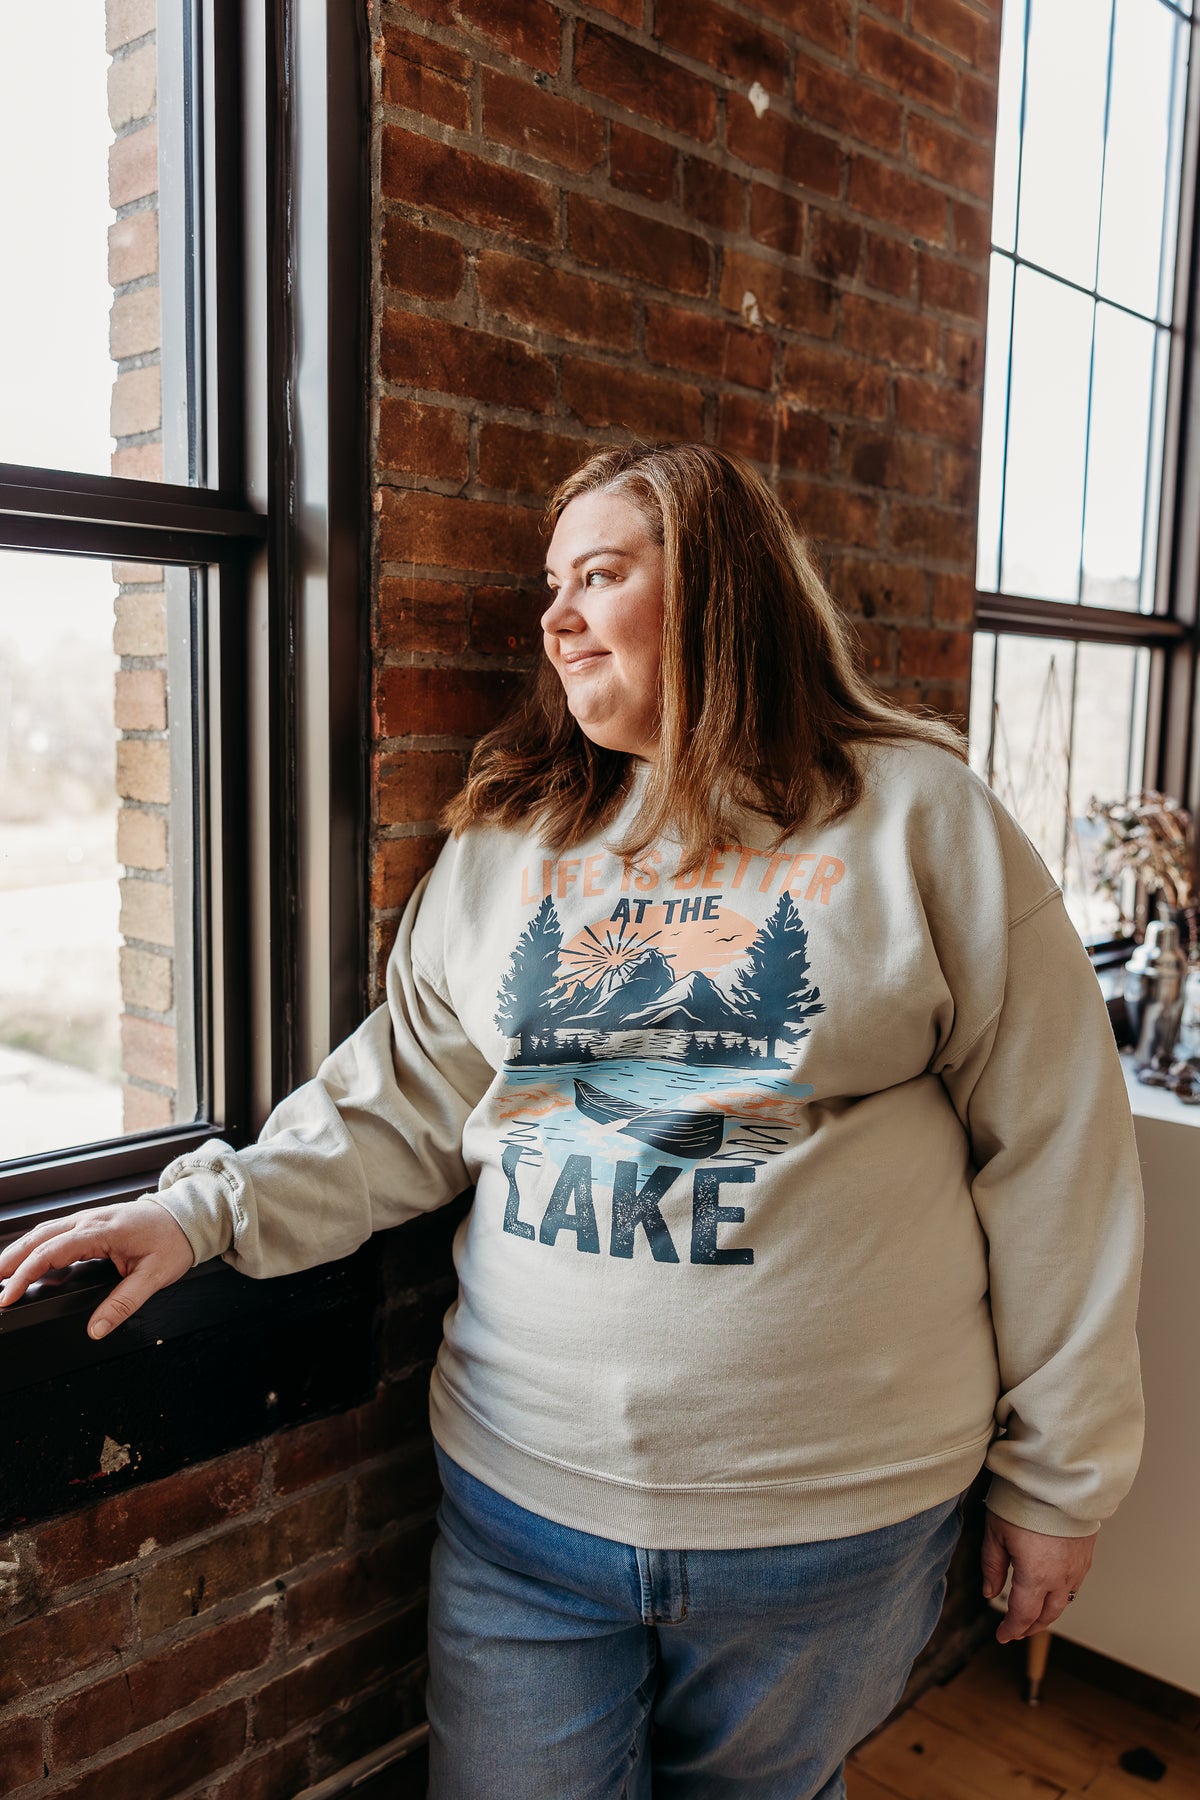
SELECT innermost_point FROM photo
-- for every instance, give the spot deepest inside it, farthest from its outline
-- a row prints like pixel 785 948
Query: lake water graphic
pixel 760 1111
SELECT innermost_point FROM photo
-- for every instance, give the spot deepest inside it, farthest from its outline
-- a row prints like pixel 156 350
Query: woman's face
pixel 603 627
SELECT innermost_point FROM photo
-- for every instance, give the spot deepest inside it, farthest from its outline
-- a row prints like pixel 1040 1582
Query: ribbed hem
pixel 729 1516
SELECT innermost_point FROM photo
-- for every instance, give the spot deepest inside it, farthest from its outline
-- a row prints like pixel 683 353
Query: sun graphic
pixel 591 958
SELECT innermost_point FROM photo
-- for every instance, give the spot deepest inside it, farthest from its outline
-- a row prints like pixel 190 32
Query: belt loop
pixel 646 1584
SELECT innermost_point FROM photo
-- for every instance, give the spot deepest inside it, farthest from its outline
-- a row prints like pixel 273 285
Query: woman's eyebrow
pixel 596 550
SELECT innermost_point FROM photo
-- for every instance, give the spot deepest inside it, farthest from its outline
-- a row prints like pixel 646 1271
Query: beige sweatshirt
pixel 803 1184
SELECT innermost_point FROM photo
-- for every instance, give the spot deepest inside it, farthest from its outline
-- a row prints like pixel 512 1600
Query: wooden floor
pixel 975 1738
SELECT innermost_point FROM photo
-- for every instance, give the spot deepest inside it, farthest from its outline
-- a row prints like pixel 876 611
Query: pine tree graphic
pixel 528 996
pixel 774 994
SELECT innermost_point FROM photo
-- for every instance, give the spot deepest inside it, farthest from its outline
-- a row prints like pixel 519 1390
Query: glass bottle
pixel 1154 997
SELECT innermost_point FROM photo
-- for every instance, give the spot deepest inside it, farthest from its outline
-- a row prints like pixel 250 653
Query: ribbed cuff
pixel 1009 1503
pixel 203 1194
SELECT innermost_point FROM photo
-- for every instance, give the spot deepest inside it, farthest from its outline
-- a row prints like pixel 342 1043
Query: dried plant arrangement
pixel 1152 837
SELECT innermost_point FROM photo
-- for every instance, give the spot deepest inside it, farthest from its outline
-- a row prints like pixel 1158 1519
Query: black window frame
pixel 1171 632
pixel 275 137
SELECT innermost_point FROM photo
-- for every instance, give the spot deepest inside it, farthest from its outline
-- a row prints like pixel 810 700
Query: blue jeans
pixel 565 1666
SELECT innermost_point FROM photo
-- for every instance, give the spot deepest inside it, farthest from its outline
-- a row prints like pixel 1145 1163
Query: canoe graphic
pixel 675 1132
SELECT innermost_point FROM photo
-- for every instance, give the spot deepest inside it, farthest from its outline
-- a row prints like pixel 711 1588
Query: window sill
pixel 205 1366
pixel 45 1187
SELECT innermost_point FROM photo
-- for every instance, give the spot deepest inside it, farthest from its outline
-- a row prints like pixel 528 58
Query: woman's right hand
pixel 149 1249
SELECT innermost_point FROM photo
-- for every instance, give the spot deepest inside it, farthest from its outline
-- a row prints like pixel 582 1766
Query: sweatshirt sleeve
pixel 374 1139
pixel 1057 1189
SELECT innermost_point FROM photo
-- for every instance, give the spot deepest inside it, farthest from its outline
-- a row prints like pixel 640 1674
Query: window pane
pixel 1033 683
pixel 1068 723
pixel 1166 295
pixel 995 404
pixel 1044 465
pixel 1116 474
pixel 1008 125
pixel 1063 145
pixel 1141 126
pixel 979 724
pixel 1158 414
pixel 1107 762
pixel 98 1033
pixel 82 140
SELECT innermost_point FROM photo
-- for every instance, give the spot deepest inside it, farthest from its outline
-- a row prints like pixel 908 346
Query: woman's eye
pixel 602 573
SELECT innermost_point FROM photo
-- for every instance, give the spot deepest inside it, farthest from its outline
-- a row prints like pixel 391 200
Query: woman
pixel 804 1179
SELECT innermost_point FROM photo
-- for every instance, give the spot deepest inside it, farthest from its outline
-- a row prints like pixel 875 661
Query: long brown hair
pixel 760 697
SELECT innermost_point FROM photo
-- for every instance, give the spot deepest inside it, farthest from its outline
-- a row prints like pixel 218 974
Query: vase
pixel 1154 995
pixel 1188 1042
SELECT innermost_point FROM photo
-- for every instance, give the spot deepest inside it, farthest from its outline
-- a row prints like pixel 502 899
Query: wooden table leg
pixel 1037 1650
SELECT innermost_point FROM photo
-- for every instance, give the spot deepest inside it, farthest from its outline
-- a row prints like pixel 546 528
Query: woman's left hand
pixel 1047 1573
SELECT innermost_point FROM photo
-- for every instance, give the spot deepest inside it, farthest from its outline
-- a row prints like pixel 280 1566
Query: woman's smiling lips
pixel 582 657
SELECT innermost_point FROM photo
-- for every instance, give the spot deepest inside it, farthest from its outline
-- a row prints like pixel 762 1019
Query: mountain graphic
pixel 606 1005
pixel 690 1004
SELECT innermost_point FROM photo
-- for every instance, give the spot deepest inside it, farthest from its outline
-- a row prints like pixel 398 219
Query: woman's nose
pixel 560 614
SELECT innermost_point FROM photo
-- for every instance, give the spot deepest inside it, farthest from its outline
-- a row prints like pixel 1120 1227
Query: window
pixel 1083 672
pixel 102 812
pixel 183 517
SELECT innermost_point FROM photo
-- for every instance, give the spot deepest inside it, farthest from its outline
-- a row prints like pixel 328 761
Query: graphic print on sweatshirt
pixel 655 1043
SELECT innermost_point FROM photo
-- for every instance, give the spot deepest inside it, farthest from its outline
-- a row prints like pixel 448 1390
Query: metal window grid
pixel 1168 631
pixel 270 139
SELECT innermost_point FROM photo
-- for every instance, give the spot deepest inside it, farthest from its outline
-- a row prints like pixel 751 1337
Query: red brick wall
pixel 150 1047
pixel 247 1626
pixel 763 226
pixel 585 228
